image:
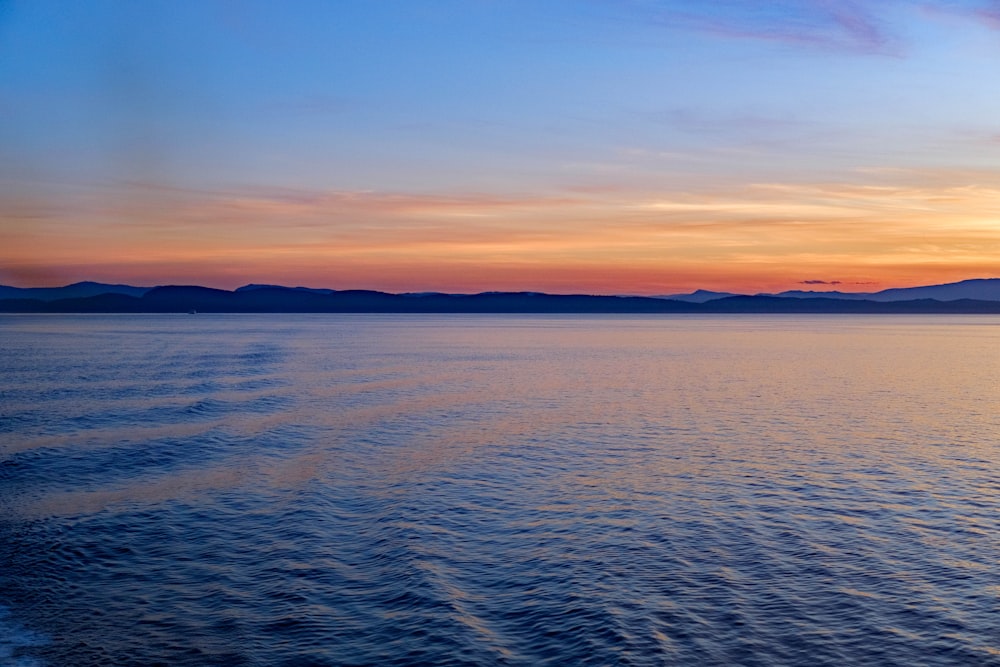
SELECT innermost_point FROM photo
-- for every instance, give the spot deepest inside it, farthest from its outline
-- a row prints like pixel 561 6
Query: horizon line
pixel 805 285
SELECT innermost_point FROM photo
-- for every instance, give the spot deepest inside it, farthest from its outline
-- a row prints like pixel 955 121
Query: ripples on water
pixel 356 490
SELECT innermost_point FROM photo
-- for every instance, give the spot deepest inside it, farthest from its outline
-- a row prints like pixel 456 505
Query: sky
pixel 571 146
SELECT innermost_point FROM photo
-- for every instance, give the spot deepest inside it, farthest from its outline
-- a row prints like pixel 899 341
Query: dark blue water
pixel 498 490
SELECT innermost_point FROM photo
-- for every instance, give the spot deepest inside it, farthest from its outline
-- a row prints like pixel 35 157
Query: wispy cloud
pixel 990 15
pixel 840 26
pixel 986 12
pixel 891 226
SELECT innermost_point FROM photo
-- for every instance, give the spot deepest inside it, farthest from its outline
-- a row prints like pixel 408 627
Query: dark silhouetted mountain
pixel 775 304
pixel 812 294
pixel 981 289
pixel 75 291
pixel 315 290
pixel 269 299
pixel 699 296
pixel 297 299
pixel 422 294
pixel 102 303
pixel 282 299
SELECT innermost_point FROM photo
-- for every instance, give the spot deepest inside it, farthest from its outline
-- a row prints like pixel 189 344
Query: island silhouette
pixel 981 295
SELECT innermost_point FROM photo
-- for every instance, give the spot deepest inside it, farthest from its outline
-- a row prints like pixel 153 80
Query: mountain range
pixel 968 296
pixel 74 291
pixel 983 289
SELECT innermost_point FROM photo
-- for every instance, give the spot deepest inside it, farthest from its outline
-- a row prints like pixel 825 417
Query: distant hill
pixel 982 289
pixel 80 290
pixel 699 296
pixel 290 300
pixel 968 296
pixel 251 287
pixel 776 304
pixel 276 299
pixel 812 294
pixel 986 289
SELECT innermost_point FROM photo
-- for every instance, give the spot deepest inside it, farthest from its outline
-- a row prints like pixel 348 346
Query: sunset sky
pixel 598 146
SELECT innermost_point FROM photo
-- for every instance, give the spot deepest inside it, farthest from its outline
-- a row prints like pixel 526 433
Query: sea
pixel 315 490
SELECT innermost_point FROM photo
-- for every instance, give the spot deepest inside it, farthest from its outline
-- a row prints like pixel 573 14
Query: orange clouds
pixel 890 227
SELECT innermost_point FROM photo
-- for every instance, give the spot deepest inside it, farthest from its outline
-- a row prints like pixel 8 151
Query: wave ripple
pixel 484 490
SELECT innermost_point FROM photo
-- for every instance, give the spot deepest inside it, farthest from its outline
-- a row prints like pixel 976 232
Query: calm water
pixel 499 490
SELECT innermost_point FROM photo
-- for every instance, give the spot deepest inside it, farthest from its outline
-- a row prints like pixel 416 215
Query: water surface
pixel 499 490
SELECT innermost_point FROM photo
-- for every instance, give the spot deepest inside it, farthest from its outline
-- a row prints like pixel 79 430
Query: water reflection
pixel 502 490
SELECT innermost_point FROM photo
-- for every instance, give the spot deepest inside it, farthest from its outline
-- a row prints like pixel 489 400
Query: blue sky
pixel 639 146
